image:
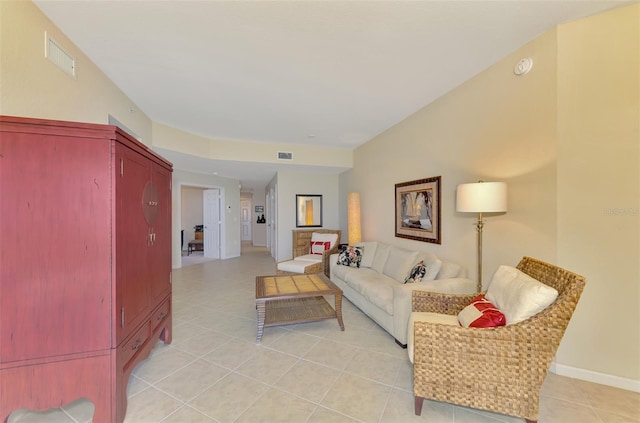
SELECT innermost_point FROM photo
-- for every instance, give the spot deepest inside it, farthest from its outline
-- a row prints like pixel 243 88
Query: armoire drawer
pixel 131 347
pixel 160 314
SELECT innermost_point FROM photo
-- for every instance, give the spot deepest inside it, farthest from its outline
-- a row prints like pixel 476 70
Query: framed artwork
pixel 308 211
pixel 259 209
pixel 418 210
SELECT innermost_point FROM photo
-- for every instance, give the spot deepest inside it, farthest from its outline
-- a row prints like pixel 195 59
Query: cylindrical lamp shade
pixel 482 197
pixel 353 218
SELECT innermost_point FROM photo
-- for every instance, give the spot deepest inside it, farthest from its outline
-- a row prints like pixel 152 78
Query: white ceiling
pixel 331 73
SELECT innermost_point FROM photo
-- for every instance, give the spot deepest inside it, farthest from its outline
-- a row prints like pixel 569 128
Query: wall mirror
pixel 308 210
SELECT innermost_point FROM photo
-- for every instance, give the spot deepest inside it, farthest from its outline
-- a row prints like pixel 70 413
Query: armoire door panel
pixel 55 256
pixel 160 251
pixel 133 239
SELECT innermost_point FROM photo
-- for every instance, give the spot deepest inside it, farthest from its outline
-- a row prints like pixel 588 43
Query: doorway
pixel 192 213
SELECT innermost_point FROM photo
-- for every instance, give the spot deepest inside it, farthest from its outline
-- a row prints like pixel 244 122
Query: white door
pixel 272 204
pixel 245 218
pixel 211 213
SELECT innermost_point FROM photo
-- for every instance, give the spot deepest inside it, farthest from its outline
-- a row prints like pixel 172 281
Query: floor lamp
pixel 353 218
pixel 481 197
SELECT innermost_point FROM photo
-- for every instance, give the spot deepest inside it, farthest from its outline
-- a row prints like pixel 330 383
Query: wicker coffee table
pixel 283 300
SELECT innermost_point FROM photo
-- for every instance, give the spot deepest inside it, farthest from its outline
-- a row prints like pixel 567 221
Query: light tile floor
pixel 309 373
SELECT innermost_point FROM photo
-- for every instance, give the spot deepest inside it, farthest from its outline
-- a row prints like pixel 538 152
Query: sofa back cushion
pixel 449 270
pixel 368 253
pixel 518 295
pixel 380 257
pixel 399 263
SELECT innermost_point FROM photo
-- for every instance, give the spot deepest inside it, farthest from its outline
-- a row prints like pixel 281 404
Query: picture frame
pixel 308 210
pixel 259 209
pixel 418 210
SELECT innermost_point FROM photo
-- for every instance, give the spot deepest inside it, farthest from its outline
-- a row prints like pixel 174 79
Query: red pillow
pixel 319 247
pixel 481 314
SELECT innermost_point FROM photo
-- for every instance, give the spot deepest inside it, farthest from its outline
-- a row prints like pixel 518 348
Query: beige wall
pixel 495 127
pixel 291 183
pixel 32 86
pixel 599 186
pixel 565 139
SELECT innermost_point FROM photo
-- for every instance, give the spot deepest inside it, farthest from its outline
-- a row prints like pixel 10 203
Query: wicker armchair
pixel 497 369
pixel 300 247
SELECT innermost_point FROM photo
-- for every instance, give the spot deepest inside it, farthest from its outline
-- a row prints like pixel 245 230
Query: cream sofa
pixel 377 287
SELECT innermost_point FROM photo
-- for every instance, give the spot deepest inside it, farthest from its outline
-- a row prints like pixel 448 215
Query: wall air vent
pixel 54 52
pixel 284 155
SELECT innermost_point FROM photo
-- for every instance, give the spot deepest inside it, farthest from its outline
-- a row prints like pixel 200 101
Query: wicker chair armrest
pixel 435 302
pixel 485 353
pixel 326 258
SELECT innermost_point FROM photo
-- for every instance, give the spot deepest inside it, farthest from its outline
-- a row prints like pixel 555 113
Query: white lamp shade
pixel 482 197
pixel 353 218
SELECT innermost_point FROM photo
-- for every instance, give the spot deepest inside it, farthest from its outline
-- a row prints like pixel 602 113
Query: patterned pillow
pixel 417 273
pixel 481 314
pixel 318 247
pixel 350 256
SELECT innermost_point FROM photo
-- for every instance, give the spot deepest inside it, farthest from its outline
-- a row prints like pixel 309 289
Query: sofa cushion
pixel 368 253
pixel 399 263
pixel 480 313
pixel 341 271
pixel 448 270
pixel 375 287
pixel 380 257
pixel 443 319
pixel 350 256
pixel 518 295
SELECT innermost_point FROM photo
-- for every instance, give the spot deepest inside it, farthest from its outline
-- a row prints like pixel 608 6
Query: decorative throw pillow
pixel 481 314
pixel 319 247
pixel 417 273
pixel 350 256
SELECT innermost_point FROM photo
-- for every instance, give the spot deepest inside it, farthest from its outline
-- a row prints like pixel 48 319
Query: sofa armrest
pixel 403 299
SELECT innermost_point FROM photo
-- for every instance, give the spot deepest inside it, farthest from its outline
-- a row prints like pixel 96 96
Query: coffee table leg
pixel 339 310
pixel 261 307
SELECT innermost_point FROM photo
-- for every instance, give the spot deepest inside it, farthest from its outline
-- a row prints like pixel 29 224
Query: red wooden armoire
pixel 85 263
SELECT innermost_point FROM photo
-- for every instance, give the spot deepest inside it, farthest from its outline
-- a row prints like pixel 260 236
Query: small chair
pixel 303 261
pixel 498 369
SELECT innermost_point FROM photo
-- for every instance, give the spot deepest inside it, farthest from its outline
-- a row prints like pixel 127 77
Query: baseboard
pixel 595 377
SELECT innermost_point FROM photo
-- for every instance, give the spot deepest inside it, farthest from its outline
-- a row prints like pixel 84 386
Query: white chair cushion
pixel 518 295
pixel 295 266
pixel 416 316
pixel 310 257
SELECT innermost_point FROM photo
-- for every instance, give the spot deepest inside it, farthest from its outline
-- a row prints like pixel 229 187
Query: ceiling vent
pixel 59 57
pixel 285 155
